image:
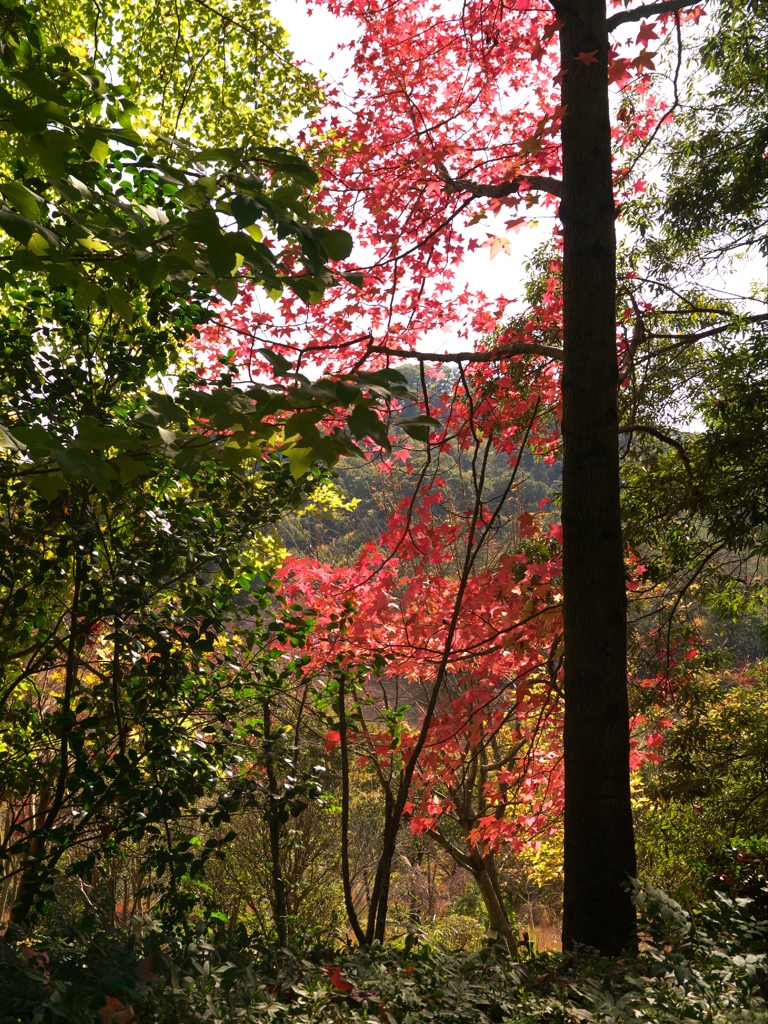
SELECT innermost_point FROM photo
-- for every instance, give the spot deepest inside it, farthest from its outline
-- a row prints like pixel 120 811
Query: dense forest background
pixel 285 596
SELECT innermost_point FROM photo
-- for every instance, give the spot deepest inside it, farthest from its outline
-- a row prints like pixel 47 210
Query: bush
pixel 709 967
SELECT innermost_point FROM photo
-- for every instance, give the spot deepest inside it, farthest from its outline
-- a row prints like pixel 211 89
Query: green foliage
pixel 705 813
pixel 695 504
pixel 139 627
pixel 241 885
pixel 695 499
pixel 708 970
pixel 220 74
pixel 722 487
pixel 716 170
pixel 92 207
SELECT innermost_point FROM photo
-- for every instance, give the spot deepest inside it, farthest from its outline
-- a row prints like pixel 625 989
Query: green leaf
pixel 336 244
pixel 19 195
pixel 363 422
pixel 119 301
pixel 47 484
pixel 99 151
pixel 297 168
pixel 49 148
pixel 227 288
pixel 37 439
pixel 7 440
pixel 91 434
pixel 19 228
pixel 300 460
pixel 88 292
pixel 130 468
pixel 76 464
pixel 418 427
pixel 43 86
pixel 279 363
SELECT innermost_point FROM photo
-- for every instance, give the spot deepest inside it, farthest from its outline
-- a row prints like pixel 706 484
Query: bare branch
pixel 535 182
pixel 641 428
pixel 522 348
pixel 648 11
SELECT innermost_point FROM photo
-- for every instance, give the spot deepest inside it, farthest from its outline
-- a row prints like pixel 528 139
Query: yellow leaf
pixel 500 245
pixel 99 151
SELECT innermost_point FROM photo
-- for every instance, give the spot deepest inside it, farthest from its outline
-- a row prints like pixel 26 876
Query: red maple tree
pixel 456 113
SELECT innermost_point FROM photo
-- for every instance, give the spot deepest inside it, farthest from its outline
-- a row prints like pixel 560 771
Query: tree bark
pixel 273 810
pixel 487 878
pixel 599 841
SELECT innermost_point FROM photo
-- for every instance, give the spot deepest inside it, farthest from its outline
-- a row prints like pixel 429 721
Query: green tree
pixel 218 74
pixel 137 497
pixel 694 423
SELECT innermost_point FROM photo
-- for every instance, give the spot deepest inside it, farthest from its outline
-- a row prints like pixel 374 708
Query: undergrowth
pixel 709 967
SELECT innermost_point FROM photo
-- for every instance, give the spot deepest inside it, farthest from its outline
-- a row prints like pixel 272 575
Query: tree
pixel 711 206
pixel 131 486
pixel 716 185
pixel 599 845
pixel 472 112
pixel 440 643
pixel 214 74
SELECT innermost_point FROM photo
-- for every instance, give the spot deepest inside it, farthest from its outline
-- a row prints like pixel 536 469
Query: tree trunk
pixel 487 878
pixel 272 813
pixel 599 842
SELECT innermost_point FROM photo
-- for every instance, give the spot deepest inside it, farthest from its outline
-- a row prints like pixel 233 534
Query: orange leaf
pixel 498 245
pixel 114 1012
pixel 588 58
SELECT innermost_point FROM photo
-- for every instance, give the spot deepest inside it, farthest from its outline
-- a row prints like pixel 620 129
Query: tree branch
pixel 502 352
pixel 462 859
pixel 536 182
pixel 648 11
pixel 690 338
pixel 641 428
pixel 755 318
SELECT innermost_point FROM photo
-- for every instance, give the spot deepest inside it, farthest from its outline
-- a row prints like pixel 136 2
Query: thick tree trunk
pixel 599 842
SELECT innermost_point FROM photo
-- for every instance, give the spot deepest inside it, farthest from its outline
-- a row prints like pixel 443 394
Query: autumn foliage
pixel 447 127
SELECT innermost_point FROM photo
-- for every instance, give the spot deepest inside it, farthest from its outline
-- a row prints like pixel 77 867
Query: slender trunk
pixel 377 908
pixel 487 878
pixel 279 910
pixel 349 902
pixel 32 877
pixel 599 842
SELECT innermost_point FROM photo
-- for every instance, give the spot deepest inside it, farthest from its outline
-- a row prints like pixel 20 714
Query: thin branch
pixel 648 11
pixel 692 336
pixel 462 859
pixel 641 428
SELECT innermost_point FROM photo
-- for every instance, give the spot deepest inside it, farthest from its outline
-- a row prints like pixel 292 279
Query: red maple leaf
pixel 114 1012
pixel 646 34
pixel 645 60
pixel 588 58
pixel 334 973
